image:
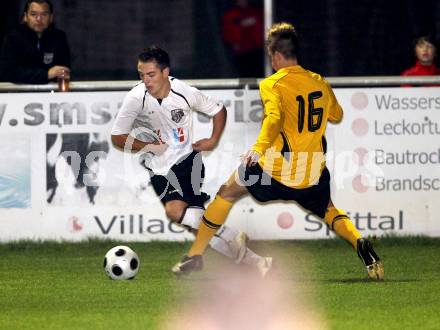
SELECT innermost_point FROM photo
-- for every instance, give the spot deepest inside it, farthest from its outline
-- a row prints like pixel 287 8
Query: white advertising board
pixel 60 177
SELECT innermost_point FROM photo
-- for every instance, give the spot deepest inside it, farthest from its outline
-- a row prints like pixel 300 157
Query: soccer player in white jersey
pixel 156 118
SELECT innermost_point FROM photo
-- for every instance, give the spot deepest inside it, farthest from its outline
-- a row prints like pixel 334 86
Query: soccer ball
pixel 121 263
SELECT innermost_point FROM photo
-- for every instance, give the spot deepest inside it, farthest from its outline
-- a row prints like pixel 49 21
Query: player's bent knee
pixel 174 214
pixel 226 196
pixel 222 192
pixel 175 208
pixel 231 192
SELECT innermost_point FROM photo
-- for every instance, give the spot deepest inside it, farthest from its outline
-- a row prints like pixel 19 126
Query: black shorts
pixel 183 181
pixel 314 199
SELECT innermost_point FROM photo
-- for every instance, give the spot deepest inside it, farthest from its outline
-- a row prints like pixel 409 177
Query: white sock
pixel 227 235
pixel 223 240
pixel 222 247
pixel 191 220
pixel 191 217
pixel 251 258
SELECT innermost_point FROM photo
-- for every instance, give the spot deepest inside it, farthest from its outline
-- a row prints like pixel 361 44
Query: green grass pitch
pixel 62 285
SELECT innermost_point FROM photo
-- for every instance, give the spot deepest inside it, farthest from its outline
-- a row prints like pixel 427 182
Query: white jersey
pixel 170 120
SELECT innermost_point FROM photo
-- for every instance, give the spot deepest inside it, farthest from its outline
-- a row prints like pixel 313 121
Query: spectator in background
pixel 425 52
pixel 35 52
pixel 242 27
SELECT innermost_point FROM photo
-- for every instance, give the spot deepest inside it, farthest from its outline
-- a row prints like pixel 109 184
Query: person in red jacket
pixel 242 28
pixel 425 52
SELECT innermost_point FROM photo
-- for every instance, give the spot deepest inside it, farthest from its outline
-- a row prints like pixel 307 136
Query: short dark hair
pixel 282 38
pixel 28 4
pixel 154 53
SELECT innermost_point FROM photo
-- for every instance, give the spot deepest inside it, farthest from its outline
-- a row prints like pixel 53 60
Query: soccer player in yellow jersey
pixel 288 157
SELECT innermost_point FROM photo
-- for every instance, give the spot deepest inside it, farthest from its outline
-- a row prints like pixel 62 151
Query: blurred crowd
pixel 36 52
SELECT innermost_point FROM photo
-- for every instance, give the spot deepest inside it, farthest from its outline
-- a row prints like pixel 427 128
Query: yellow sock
pixel 214 217
pixel 341 224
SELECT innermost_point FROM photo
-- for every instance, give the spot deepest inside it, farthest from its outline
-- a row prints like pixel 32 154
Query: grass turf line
pixel 51 285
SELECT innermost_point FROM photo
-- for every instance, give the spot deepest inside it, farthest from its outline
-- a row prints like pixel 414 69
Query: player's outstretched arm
pixel 218 125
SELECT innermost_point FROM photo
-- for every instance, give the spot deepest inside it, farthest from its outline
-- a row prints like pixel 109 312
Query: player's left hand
pixel 156 148
pixel 250 158
pixel 204 145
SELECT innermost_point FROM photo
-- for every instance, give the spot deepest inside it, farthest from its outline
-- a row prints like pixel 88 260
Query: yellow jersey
pixel 297 105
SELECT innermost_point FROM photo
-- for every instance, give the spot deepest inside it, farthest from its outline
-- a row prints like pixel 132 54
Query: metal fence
pixel 251 83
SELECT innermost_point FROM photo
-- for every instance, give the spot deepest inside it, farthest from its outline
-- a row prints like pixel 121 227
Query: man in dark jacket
pixel 36 52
